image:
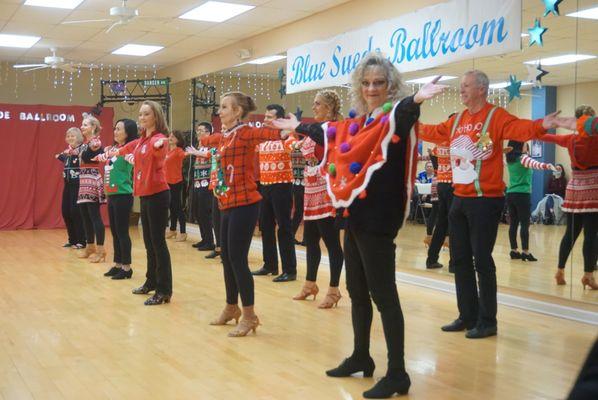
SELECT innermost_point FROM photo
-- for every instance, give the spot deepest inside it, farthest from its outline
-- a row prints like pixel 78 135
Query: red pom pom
pixel 395 139
pixel 363 194
pixel 346 213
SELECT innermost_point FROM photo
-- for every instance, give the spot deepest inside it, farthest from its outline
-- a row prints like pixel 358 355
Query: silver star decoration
pixel 535 73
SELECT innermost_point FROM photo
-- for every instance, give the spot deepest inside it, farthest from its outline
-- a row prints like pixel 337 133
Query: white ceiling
pixel 182 39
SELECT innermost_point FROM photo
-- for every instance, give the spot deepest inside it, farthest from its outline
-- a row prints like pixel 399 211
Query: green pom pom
pixel 332 169
pixel 387 107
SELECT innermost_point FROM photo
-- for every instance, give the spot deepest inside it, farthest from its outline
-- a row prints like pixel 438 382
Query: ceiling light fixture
pixel 266 60
pixel 590 13
pixel 216 11
pixel 427 79
pixel 20 41
pixel 66 4
pixel 137 50
pixel 558 60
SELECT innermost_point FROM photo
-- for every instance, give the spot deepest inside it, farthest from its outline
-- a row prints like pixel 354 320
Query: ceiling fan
pixel 54 62
pixel 119 16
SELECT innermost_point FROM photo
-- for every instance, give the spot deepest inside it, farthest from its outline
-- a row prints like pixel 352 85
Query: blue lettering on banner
pixel 404 47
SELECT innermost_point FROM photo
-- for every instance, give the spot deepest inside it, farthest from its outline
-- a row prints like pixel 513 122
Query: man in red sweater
pixel 476 135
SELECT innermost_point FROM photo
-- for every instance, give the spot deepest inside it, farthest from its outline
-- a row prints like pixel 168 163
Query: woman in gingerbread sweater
pixel 238 199
pixel 369 168
pixel 581 198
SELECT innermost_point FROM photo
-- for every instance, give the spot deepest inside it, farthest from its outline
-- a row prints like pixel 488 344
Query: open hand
pixel 429 90
pixel 288 124
pixel 159 143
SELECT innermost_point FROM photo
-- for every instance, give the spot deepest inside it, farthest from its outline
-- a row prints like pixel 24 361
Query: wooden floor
pixel 66 332
pixel 536 277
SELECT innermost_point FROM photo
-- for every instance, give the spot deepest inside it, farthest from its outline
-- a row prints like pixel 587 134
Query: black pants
pixel 370 266
pixel 236 233
pixel 441 230
pixel 575 223
pixel 119 210
pixel 92 222
pixel 71 214
pixel 276 210
pixel 324 229
pixel 176 206
pixel 205 199
pixel 154 219
pixel 431 221
pixel 217 220
pixel 519 205
pixel 474 225
pixel 586 385
pixel 298 197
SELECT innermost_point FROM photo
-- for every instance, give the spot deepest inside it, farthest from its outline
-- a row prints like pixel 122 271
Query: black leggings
pixel 204 216
pixel 92 222
pixel 519 205
pixel 441 229
pixel 217 219
pixel 575 222
pixel 370 269
pixel 119 209
pixel 324 229
pixel 154 218
pixel 298 199
pixel 431 221
pixel 236 232
pixel 176 206
pixel 71 214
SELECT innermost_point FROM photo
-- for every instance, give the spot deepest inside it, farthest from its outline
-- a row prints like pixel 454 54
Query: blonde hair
pixel 159 118
pixel 77 132
pixel 97 127
pixel 396 88
pixel 242 100
pixel 333 101
pixel 584 109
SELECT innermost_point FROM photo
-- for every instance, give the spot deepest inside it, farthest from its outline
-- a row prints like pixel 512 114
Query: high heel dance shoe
pixel 589 281
pixel 244 327
pixel 331 299
pixel 560 277
pixel 309 289
pixel 229 313
pixel 87 251
pixel 157 299
pixel 99 256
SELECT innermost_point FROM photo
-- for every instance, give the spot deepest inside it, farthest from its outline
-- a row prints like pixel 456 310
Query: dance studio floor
pixel 66 332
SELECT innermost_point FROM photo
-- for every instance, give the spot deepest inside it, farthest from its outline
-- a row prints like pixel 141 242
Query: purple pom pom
pixel 352 113
pixel 384 119
pixel 331 132
pixel 353 128
pixel 355 167
pixel 369 121
pixel 345 147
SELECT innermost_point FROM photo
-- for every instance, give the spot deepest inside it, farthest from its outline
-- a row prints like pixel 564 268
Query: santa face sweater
pixel 148 171
pixel 476 155
pixel 236 149
pixel 382 210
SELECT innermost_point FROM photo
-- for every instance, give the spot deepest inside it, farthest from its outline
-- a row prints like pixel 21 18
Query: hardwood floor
pixel 66 332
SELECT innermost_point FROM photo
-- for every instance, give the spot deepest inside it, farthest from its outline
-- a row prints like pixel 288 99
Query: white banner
pixel 432 36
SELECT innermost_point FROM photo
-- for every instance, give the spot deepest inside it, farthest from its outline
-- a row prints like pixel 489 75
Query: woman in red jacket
pixel 238 200
pixel 173 168
pixel 147 154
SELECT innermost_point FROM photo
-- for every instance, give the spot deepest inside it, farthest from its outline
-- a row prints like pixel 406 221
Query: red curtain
pixel 30 177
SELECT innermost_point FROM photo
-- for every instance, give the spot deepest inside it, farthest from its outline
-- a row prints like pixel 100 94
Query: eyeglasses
pixel 377 84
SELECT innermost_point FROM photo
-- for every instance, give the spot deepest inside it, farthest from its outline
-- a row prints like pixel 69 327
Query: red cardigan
pixel 148 172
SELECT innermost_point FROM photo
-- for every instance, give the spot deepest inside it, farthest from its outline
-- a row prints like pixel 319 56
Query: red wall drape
pixel 30 177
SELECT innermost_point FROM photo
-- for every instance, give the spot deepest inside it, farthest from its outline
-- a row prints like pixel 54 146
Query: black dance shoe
pixel 285 277
pixel 265 271
pixel 213 254
pixel 528 257
pixel 434 265
pixel 457 325
pixel 157 299
pixel 515 255
pixel 122 274
pixel 480 333
pixel 388 386
pixel 351 366
pixel 143 289
pixel 206 247
pixel 198 244
pixel 112 271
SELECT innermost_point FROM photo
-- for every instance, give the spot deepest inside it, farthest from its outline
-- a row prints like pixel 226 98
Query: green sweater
pixel 118 176
pixel 520 178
